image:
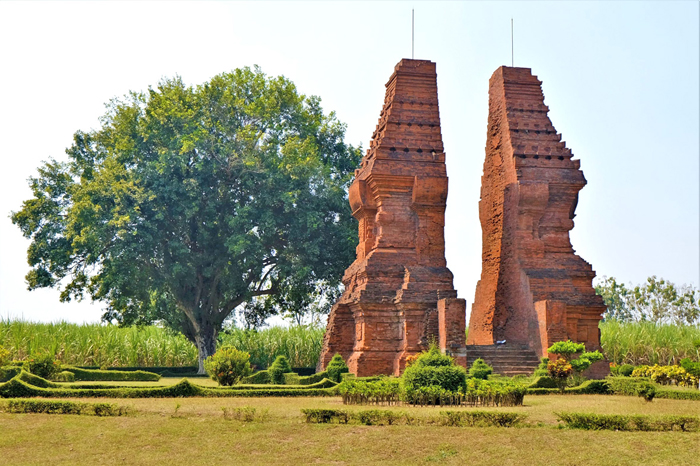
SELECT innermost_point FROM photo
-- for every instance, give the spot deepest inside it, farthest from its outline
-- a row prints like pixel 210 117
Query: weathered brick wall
pixel 389 309
pixel 534 290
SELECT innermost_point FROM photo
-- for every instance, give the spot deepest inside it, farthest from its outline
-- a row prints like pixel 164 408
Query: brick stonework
pixel 389 309
pixel 534 290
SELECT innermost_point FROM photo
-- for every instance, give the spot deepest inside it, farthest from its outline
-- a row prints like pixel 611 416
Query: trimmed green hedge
pixel 89 375
pixel 260 377
pixel 678 394
pixel 618 386
pixel 292 378
pixel 25 386
pixel 543 382
pixel 64 407
pixel 629 423
pixel 481 418
pixel 589 387
pixel 8 372
pixel 384 417
pixel 324 383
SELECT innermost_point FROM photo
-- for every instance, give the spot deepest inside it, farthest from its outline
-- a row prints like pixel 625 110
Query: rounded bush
pixel 278 368
pixel 336 367
pixel 625 370
pixel 480 370
pixel 42 365
pixel 646 391
pixel 228 365
pixel 433 369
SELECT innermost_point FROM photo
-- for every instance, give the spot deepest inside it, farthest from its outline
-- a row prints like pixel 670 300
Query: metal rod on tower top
pixel 511 43
pixel 412 30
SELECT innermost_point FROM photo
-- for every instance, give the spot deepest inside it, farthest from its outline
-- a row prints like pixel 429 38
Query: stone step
pixel 523 358
pixel 505 360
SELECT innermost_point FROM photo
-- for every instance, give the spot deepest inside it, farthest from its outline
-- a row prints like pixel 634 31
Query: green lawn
pixel 199 434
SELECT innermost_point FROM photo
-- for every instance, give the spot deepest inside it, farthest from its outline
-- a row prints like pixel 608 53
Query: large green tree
pixel 190 202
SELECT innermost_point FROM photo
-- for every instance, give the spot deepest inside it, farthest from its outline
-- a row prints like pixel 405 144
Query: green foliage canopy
pixel 659 301
pixel 228 366
pixel 189 202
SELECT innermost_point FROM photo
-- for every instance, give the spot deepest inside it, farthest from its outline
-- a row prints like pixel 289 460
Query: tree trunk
pixel 206 346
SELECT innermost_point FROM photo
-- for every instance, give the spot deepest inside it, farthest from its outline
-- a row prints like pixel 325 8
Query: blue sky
pixel 620 78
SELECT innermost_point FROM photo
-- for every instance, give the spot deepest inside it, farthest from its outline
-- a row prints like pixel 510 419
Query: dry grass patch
pixel 199 434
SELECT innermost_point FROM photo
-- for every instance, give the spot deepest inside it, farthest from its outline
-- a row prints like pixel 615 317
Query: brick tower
pixel 534 290
pixel 398 292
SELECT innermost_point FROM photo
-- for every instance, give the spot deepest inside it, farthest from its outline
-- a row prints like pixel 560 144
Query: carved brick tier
pixel 389 310
pixel 534 290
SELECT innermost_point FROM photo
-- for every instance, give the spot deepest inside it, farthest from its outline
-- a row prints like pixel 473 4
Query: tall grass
pixel 301 345
pixel 97 345
pixel 109 345
pixel 648 343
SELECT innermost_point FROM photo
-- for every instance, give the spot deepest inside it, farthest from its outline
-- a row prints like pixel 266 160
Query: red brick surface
pixel 534 290
pixel 389 309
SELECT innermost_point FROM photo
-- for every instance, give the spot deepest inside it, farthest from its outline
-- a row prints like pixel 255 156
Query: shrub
pixel 325 416
pixel 336 367
pixel 541 370
pixel 64 407
pixel 278 368
pixel 560 370
pixel 432 358
pixel 260 377
pixel 585 360
pixel 625 370
pixel 378 417
pixel 678 394
pixel 43 365
pixel 450 378
pixel 566 349
pixel 590 421
pixel 624 385
pixel 480 419
pixel 692 368
pixel 480 370
pixel 8 372
pixel 485 393
pixel 386 390
pixel 666 375
pixel 433 369
pixel 228 366
pixel 543 382
pixel 646 391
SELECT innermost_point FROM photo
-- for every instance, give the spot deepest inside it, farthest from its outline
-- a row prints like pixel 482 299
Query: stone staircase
pixel 505 360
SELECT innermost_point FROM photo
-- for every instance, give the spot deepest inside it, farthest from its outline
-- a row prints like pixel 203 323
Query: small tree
pixel 560 370
pixel 336 367
pixel 278 368
pixel 228 365
pixel 565 350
